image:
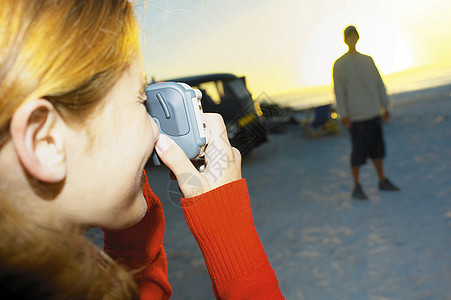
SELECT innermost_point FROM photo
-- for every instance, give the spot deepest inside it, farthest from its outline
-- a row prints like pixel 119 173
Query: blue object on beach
pixel 321 116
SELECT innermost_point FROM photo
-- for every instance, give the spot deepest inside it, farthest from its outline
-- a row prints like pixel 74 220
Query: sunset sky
pixel 281 45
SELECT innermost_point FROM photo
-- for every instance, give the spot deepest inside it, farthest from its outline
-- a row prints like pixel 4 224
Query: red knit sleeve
pixel 222 224
pixel 140 247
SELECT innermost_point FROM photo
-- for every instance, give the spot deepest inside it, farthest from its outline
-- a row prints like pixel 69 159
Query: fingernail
pixel 163 143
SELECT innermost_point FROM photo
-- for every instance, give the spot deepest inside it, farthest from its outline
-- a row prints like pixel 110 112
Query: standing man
pixel 361 102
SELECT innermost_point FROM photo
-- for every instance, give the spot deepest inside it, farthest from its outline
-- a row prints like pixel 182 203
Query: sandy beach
pixel 321 243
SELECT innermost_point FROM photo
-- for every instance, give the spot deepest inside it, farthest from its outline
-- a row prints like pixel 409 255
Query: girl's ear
pixel 38 140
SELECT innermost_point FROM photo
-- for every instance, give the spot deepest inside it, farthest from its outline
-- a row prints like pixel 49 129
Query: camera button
pixel 163 105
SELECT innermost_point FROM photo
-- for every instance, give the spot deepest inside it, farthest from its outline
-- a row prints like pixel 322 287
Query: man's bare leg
pixel 355 174
pixel 379 166
pixel 357 192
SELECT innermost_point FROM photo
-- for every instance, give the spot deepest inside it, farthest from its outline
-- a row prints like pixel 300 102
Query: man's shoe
pixel 386 185
pixel 358 193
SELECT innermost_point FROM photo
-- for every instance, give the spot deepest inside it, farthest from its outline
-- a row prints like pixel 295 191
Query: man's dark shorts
pixel 367 141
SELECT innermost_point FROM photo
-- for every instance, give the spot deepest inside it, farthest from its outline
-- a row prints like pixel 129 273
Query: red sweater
pixel 222 224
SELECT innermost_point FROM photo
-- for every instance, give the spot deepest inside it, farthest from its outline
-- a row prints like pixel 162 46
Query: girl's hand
pixel 222 161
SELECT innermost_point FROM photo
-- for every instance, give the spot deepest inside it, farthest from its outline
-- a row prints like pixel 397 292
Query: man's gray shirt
pixel 359 89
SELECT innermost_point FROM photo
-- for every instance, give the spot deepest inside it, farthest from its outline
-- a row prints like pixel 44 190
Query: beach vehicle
pixel 228 95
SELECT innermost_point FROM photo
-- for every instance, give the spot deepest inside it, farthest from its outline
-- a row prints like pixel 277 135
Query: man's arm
pixel 383 97
pixel 340 94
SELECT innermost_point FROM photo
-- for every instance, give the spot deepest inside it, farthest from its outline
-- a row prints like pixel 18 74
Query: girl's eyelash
pixel 143 97
pixel 142 91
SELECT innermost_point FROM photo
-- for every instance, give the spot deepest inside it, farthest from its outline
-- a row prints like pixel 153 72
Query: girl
pixel 74 138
